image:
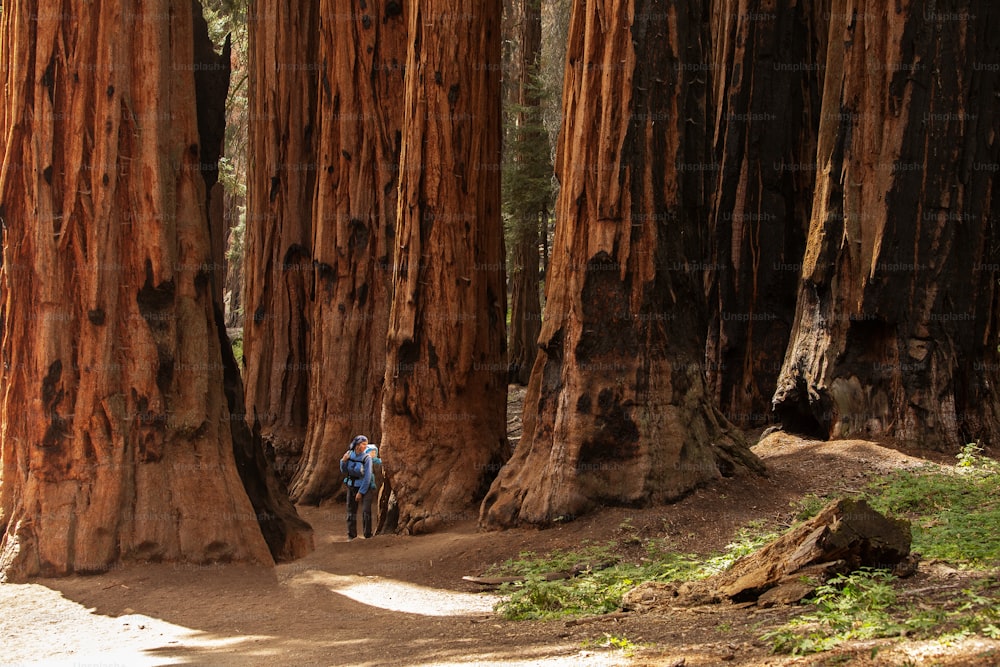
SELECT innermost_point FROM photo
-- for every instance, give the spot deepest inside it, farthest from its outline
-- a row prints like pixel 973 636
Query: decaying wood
pixel 495 582
pixel 844 536
pixel 489 583
pixel 597 618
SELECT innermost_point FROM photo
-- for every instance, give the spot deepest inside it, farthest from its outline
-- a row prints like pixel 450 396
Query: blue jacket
pixel 357 463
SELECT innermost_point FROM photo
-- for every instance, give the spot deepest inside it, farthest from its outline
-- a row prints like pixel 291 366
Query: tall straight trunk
pixel 526 308
pixel 530 198
pixel 766 91
pixel 443 416
pixel 280 189
pixel 232 289
pixel 360 119
pixel 117 441
pixel 895 333
pixel 617 411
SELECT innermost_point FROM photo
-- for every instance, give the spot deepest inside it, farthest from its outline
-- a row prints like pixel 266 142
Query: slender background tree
pixel 526 192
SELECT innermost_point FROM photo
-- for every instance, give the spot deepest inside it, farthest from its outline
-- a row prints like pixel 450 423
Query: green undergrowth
pixel 867 604
pixel 955 517
pixel 604 577
pixel 954 511
pixel 598 589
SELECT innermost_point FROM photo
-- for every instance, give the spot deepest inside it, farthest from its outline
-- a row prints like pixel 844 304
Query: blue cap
pixel 358 439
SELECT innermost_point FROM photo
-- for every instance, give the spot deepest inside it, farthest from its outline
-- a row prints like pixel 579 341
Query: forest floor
pixel 401 601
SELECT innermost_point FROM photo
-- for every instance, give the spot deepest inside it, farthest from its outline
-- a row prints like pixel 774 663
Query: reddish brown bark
pixel 895 333
pixel 362 53
pixel 117 441
pixel 280 189
pixel 616 411
pixel 443 426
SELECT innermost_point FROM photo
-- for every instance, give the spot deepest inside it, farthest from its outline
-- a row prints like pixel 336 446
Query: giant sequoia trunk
pixel 280 188
pixel 116 440
pixel 443 426
pixel 895 333
pixel 617 411
pixel 527 197
pixel 765 117
pixel 360 118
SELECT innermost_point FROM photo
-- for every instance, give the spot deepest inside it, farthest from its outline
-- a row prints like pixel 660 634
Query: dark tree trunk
pixel 765 122
pixel 443 426
pixel 895 333
pixel 280 190
pixel 529 200
pixel 360 119
pixel 617 411
pixel 117 441
pixel 526 308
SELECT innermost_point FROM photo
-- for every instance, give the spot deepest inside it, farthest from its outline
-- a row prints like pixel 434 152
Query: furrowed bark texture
pixel 280 189
pixel 443 418
pixel 766 92
pixel 362 53
pixel 895 333
pixel 116 441
pixel 617 411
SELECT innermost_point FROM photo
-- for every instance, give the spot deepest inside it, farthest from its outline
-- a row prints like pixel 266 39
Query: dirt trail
pixel 400 601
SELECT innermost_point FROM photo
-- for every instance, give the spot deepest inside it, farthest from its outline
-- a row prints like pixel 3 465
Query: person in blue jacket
pixel 356 464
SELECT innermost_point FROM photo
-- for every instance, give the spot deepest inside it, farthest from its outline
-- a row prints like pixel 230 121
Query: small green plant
pixel 853 606
pixel 810 505
pixel 749 538
pixel 866 605
pixel 609 641
pixel 238 349
pixel 630 534
pixel 971 458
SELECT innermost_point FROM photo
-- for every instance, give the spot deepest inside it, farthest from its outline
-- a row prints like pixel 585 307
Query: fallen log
pixel 489 583
pixel 496 582
pixel 844 536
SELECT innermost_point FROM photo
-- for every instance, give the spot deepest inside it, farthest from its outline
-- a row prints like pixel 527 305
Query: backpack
pixel 356 466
